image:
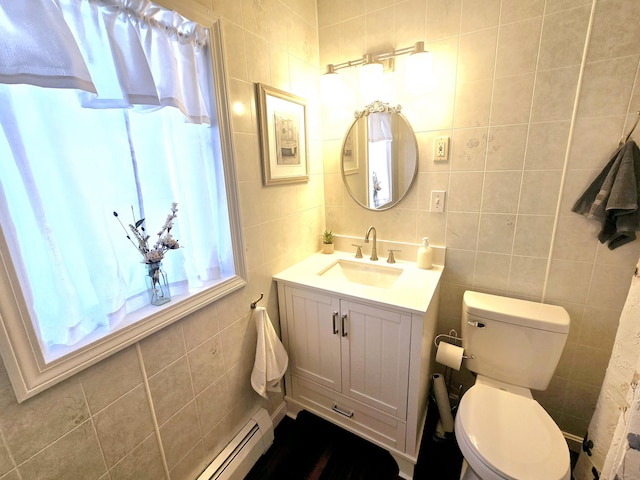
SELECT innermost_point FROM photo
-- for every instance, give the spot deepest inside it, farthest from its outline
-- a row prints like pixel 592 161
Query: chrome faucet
pixel 374 248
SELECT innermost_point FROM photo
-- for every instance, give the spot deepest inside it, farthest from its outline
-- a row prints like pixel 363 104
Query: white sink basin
pixel 380 276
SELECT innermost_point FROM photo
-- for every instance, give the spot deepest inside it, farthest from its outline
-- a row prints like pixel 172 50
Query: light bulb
pixel 419 71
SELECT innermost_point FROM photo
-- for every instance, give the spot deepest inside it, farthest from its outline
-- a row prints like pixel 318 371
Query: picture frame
pixel 282 120
pixel 350 164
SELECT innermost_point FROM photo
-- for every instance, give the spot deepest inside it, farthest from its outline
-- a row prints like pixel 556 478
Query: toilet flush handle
pixel 475 324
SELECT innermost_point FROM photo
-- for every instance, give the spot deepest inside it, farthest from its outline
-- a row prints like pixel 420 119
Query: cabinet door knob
pixel 344 324
pixel 335 326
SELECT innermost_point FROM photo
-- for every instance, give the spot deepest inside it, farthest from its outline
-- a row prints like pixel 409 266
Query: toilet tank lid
pixel 542 316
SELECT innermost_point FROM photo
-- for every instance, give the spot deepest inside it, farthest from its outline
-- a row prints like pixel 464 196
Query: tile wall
pixel 508 74
pixel 192 378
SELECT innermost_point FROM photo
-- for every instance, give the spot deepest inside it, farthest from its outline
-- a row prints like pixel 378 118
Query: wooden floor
pixel 310 448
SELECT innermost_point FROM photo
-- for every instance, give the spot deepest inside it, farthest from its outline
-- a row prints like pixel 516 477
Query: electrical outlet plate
pixel 437 201
pixel 440 149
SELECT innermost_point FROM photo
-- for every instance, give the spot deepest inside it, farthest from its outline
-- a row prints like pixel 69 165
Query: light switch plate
pixel 437 201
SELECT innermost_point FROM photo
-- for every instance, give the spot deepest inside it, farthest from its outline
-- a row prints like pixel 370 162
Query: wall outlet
pixel 440 149
pixel 437 201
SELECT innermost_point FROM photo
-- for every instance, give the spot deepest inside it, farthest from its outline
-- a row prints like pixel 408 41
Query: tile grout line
pixel 156 427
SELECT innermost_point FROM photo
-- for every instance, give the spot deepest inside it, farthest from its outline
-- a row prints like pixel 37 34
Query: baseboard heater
pixel 241 454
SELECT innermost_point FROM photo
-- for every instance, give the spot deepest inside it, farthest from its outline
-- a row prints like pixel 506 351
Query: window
pixel 125 112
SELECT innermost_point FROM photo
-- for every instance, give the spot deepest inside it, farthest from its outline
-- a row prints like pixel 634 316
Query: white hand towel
pixel 271 357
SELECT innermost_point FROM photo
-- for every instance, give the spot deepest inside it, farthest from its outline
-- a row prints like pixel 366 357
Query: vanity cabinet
pixel 358 350
pixel 361 356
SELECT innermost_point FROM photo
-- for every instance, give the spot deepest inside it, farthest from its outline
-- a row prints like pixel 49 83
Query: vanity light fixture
pixel 419 69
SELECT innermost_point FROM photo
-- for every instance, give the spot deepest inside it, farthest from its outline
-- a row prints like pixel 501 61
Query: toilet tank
pixel 511 340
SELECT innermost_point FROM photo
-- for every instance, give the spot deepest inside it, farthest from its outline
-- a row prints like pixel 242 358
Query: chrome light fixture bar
pixel 369 58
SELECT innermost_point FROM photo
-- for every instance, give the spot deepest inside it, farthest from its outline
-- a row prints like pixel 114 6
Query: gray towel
pixel 613 197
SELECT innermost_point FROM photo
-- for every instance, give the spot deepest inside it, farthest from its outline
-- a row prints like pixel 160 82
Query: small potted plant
pixel 327 241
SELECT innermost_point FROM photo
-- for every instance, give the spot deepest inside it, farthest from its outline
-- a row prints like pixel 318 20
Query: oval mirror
pixel 379 157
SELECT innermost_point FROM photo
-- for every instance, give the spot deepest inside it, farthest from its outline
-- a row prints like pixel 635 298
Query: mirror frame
pixel 376 107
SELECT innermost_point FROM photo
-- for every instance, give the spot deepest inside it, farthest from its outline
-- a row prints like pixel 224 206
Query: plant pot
pixel 327 248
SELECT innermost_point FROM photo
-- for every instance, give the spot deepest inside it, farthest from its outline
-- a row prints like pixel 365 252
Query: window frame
pixel 19 346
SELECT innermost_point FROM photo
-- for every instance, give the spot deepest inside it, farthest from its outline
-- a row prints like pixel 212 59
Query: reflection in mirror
pixel 379 157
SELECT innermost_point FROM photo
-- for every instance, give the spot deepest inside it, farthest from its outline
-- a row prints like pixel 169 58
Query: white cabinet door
pixel 314 338
pixel 375 356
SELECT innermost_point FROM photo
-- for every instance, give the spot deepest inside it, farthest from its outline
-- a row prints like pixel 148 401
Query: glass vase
pixel 157 284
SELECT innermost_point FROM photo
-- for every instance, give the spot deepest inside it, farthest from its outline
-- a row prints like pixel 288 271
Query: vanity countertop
pixel 413 289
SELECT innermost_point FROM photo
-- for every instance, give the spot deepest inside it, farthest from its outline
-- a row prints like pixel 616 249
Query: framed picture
pixel 349 157
pixel 283 136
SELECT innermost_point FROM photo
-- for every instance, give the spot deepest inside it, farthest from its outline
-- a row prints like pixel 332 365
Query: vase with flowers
pixel 155 276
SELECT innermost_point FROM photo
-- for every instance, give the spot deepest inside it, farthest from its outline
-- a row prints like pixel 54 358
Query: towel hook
pixel 254 303
pixel 624 140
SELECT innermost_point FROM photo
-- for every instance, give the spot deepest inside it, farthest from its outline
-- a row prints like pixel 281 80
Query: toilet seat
pixel 503 435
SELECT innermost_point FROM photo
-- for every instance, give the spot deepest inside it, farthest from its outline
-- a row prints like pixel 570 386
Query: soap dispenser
pixel 425 255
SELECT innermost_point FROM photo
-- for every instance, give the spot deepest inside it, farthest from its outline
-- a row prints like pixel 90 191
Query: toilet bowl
pixel 506 434
pixel 513 346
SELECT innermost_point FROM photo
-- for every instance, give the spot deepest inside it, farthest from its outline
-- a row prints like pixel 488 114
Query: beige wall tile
pixel 512 99
pixel 75 455
pixel 352 9
pixel 598 328
pixel 526 277
pixel 614 34
pixel 32 425
pixel 609 285
pixel 468 149
pixel 547 145
pixel 506 147
pixel 479 14
pixel 607 87
pixel 563 37
pixel 569 281
pixel 111 378
pixel 576 239
pixel 589 151
pixel 12 475
pixel 123 425
pixel 142 463
pixel 162 348
pixel 410 22
pixel 200 326
pixel 472 104
pixel 443 18
pixel 328 12
pixel 180 434
pixel 554 94
pixel 517 10
pixel 518 47
pixel 6 463
pixel 206 363
pixel 377 38
pixel 476 58
pixel 491 272
pixel 458 263
pixel 191 464
pixel 539 194
pixel 462 230
pixel 235 49
pixel 501 191
pixel 496 233
pixel 171 389
pixel 533 235
pixel 465 192
pixel 213 404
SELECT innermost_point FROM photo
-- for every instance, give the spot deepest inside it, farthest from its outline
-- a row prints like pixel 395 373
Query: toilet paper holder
pixel 452 335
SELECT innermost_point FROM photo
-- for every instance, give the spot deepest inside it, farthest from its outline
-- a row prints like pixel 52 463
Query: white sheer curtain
pixel 66 168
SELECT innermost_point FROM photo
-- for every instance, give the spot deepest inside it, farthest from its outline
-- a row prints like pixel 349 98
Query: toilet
pixel 513 346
